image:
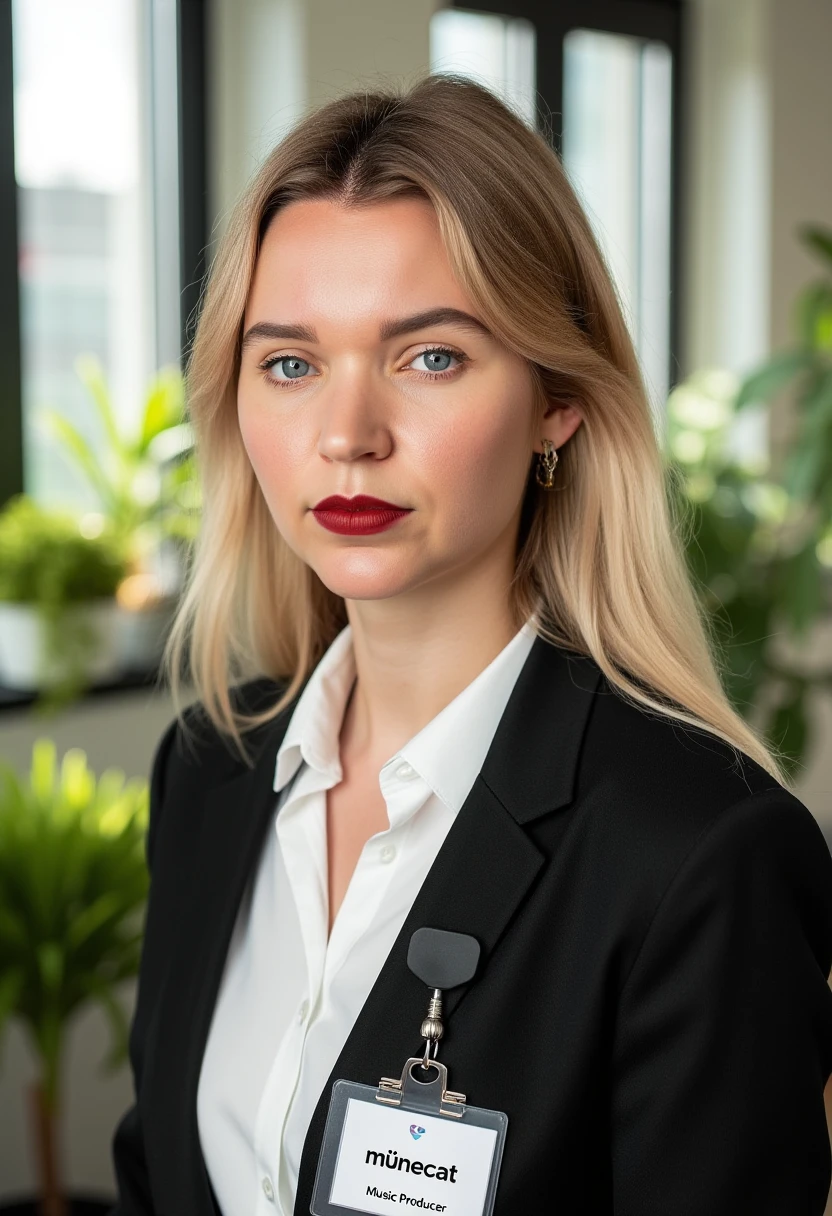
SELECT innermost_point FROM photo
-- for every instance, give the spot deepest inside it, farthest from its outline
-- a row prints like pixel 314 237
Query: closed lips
pixel 361 502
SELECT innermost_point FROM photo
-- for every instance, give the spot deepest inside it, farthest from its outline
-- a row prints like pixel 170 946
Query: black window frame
pixel 191 22
pixel 664 21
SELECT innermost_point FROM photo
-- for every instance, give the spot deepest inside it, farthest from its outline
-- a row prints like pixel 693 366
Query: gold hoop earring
pixel 546 464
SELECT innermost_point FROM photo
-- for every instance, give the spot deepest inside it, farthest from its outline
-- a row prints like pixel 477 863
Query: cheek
pixel 274 454
pixel 480 465
pixel 259 437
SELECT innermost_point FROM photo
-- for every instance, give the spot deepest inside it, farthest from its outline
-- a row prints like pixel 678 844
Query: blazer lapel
pixel 482 872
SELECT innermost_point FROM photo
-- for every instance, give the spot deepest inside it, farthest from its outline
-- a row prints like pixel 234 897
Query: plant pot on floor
pixel 87 636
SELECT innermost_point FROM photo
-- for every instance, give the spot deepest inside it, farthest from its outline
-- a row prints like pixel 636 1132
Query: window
pixel 104 112
pixel 616 149
pixel 601 78
pixel 497 51
pixel 84 215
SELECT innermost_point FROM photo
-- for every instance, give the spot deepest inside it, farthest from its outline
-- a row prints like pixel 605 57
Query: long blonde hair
pixel 600 560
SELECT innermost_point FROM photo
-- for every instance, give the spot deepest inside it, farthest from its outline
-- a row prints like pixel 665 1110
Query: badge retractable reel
pixel 411 1144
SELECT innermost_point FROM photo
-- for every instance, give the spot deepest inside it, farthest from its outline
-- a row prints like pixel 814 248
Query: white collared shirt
pixel 290 994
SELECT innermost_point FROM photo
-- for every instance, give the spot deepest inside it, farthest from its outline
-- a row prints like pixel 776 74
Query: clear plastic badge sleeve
pixel 408 1146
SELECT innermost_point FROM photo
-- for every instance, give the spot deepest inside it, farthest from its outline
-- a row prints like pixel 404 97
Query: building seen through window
pixel 84 165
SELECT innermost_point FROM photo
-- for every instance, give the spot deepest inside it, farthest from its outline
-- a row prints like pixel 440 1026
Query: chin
pixel 363 580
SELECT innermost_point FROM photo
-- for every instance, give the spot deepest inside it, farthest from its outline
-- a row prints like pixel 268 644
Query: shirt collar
pixel 447 753
pixel 315 726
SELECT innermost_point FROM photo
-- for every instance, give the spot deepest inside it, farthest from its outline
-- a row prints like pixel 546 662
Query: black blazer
pixel 651 1009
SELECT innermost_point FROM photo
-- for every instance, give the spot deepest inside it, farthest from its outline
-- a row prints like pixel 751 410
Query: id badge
pixel 411 1145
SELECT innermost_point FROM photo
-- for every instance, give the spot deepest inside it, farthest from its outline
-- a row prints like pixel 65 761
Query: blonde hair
pixel 600 560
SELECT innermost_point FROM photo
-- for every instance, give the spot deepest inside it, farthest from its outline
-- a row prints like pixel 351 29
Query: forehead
pixel 322 260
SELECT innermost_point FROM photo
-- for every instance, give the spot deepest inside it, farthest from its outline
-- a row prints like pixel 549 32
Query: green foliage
pixel 806 371
pixel 759 548
pixel 73 883
pixel 145 481
pixel 46 559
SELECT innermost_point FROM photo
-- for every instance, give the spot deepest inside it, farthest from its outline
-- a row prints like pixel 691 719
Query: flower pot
pixel 24 659
pixel 142 633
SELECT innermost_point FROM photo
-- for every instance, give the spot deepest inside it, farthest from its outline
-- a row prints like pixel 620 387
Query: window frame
pixel 11 413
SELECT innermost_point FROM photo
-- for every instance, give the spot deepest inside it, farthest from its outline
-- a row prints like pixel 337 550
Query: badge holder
pixel 411 1143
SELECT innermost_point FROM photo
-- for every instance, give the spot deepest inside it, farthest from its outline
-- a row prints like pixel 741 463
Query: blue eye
pixel 436 360
pixel 293 367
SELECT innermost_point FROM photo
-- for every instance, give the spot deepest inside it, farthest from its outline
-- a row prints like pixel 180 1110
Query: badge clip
pixel 441 960
pixel 430 1097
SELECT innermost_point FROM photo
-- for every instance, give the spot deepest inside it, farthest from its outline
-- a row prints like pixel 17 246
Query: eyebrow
pixel 389 329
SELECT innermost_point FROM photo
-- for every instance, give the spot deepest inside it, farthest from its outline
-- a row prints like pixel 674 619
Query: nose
pixel 354 419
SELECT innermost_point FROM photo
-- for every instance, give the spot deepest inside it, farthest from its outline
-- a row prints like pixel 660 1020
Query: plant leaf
pixel 804 474
pixel 119 1028
pixel 813 316
pixel 51 965
pixel 90 372
pixel 818 240
pixel 163 408
pixel 76 446
pixel 789 728
pixel 772 377
pixel 93 917
pixel 801 587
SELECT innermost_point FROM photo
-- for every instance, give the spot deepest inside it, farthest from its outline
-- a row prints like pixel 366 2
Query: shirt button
pixel 302 1012
pixel 387 853
pixel 268 1189
pixel 406 771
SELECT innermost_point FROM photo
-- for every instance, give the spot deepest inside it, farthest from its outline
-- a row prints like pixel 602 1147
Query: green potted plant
pixel 58 606
pixel 146 488
pixel 73 884
pixel 759 545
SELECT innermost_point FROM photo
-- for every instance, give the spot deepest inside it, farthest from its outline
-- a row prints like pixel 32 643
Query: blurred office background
pixel 696 131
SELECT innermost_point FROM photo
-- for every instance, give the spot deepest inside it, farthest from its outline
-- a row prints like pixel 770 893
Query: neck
pixel 411 664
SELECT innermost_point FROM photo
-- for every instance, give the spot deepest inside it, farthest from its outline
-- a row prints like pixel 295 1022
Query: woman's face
pixel 349 387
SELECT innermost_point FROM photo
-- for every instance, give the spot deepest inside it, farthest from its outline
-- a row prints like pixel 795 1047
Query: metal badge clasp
pixel 433 1097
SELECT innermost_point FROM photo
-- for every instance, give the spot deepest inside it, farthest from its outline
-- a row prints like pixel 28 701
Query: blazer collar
pixel 481 874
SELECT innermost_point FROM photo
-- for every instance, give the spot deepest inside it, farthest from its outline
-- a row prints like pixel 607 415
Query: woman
pixel 489 704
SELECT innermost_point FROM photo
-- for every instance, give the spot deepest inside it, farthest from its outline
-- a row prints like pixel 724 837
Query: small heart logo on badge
pixel 416 1131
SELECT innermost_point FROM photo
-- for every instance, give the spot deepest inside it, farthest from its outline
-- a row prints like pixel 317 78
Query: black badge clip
pixel 441 960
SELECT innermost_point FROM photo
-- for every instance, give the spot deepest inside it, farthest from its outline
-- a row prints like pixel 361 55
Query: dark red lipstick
pixel 359 516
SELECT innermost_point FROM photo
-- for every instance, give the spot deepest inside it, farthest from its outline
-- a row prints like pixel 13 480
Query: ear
pixel 560 421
